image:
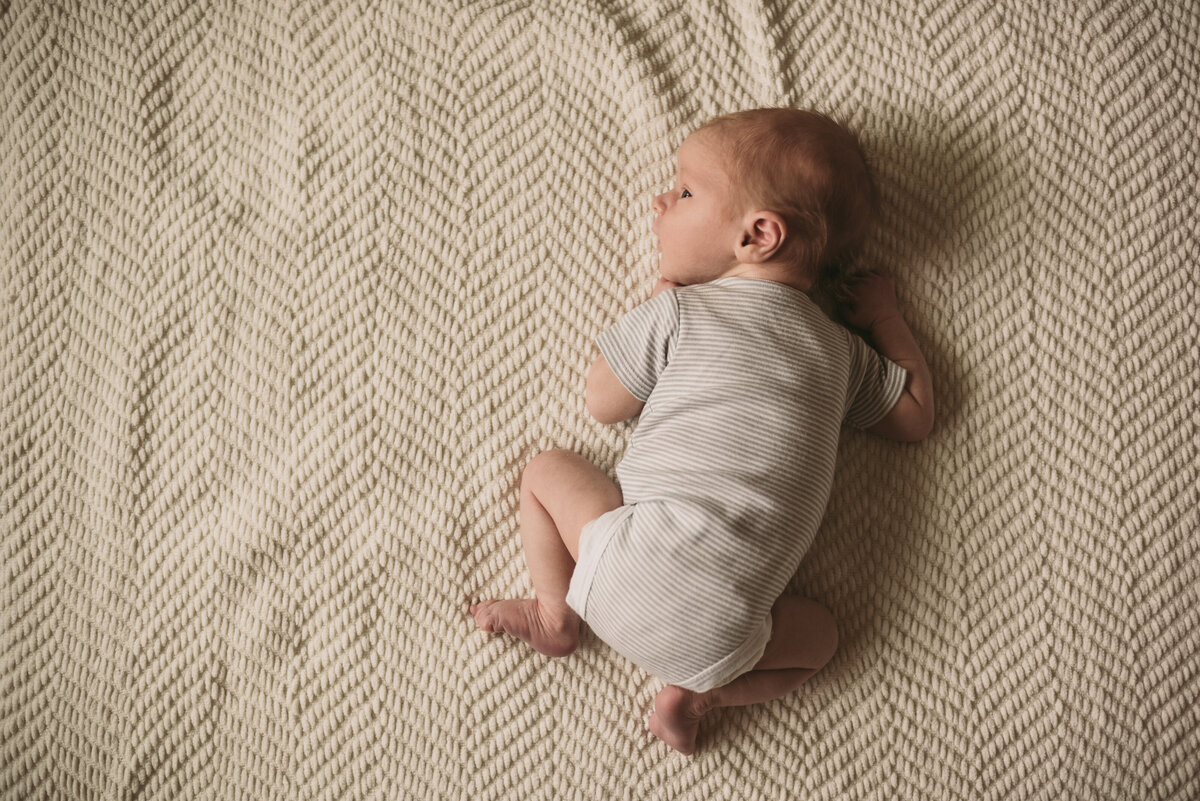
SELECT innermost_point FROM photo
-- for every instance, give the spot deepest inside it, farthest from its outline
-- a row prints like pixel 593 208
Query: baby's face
pixel 697 231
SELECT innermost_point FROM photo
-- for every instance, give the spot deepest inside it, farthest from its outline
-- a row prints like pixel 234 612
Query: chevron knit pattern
pixel 290 292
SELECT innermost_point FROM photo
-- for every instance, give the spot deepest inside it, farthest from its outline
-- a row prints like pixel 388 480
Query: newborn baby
pixel 742 384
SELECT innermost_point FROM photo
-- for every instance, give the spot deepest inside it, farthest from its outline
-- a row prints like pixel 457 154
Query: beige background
pixel 289 295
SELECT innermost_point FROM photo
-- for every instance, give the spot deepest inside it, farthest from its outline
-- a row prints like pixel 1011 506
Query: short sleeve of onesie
pixel 639 345
pixel 875 386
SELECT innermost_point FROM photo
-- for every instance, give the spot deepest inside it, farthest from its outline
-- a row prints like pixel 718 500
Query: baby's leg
pixel 561 492
pixel 803 640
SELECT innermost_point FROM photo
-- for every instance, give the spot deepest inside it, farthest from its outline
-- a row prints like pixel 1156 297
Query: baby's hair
pixel 812 171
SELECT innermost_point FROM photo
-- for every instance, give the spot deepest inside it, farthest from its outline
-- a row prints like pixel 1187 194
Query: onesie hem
pixel 592 544
pixel 741 660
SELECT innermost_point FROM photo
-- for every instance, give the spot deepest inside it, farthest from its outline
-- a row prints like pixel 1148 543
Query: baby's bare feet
pixel 553 634
pixel 676 718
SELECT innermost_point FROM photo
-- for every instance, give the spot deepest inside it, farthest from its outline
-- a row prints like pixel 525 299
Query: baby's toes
pixel 484 618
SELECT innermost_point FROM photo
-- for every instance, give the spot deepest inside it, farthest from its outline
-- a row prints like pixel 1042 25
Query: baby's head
pixel 806 169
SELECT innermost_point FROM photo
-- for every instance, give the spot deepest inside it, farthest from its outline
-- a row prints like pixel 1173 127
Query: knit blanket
pixel 290 292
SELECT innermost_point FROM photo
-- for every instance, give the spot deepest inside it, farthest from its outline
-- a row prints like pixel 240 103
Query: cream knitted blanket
pixel 290 292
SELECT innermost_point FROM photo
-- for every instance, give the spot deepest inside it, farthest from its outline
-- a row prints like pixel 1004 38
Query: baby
pixel 742 384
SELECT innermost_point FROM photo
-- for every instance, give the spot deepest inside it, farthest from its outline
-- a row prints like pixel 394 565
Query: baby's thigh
pixel 571 490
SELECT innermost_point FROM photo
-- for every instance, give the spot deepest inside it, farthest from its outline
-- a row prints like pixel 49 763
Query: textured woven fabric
pixel 289 293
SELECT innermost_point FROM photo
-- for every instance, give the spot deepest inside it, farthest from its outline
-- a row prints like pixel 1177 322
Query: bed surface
pixel 290 293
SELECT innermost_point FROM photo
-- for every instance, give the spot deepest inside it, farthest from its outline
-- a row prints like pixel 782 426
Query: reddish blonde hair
pixel 810 170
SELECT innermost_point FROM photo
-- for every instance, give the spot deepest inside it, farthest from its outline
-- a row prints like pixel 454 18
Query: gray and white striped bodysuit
pixel 747 384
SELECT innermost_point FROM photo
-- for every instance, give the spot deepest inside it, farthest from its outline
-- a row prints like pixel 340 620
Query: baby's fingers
pixel 868 298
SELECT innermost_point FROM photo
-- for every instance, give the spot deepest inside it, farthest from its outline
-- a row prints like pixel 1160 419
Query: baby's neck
pixel 780 273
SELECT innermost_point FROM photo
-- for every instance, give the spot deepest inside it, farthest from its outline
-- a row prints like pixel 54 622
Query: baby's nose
pixel 660 203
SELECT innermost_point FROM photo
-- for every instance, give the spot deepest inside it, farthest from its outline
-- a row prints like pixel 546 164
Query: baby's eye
pixel 685 193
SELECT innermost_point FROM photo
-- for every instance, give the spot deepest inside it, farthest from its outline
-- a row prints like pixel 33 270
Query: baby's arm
pixel 606 397
pixel 872 308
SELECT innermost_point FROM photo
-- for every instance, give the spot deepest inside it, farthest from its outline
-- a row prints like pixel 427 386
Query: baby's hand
pixel 869 301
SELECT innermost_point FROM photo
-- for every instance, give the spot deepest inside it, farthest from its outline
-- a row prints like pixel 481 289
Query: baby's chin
pixel 666 272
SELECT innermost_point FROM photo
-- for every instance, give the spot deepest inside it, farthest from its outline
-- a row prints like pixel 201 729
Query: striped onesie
pixel 746 384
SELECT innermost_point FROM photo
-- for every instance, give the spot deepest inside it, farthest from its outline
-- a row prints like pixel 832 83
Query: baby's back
pixel 746 384
pixel 743 422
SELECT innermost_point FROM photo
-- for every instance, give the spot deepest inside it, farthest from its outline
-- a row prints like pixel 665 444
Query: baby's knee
pixel 827 638
pixel 544 464
pixel 805 635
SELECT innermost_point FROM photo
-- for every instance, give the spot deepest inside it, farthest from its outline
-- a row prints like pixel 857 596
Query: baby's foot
pixel 551 634
pixel 676 718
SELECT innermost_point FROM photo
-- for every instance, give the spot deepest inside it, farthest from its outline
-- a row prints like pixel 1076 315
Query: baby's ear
pixel 763 234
